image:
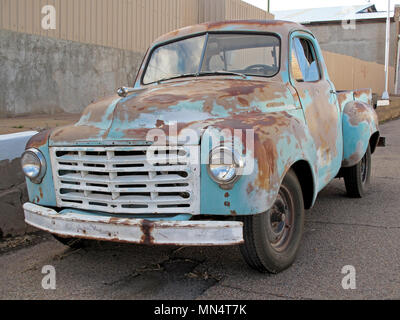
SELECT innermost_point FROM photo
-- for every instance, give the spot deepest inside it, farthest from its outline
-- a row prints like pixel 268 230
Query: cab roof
pixel 275 26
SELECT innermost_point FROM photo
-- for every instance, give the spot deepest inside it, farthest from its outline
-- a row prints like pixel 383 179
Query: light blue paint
pixel 43 193
pixel 285 74
pixel 219 111
pixel 354 135
pixel 241 199
pixel 245 198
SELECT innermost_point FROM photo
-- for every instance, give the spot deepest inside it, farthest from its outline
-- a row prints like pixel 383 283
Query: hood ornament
pixel 125 91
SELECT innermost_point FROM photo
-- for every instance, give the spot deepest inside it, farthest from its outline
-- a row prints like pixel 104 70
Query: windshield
pixel 241 54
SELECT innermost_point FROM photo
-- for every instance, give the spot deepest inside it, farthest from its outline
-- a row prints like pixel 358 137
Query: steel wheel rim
pixel 280 220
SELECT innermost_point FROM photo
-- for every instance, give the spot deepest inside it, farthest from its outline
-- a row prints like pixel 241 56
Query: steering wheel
pixel 260 69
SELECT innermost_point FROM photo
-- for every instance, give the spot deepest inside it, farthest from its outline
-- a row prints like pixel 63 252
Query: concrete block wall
pixel 45 75
pixel 13 193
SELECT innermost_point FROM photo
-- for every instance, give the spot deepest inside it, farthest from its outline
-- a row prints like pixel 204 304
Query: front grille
pixel 128 180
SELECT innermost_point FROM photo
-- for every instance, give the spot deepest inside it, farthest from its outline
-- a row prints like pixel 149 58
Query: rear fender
pixel 360 122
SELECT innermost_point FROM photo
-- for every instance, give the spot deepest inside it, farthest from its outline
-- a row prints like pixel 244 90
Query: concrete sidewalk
pixel 390 112
pixel 37 122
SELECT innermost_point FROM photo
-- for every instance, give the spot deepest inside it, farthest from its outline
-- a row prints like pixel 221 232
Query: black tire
pixel 74 243
pixel 265 248
pixel 357 178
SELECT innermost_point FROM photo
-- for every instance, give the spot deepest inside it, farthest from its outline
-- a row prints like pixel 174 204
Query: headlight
pixel 34 165
pixel 224 166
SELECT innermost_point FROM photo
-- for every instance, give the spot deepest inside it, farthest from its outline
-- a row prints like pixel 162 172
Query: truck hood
pixel 172 107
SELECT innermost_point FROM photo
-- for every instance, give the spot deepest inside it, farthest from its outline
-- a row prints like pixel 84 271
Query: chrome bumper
pixel 70 223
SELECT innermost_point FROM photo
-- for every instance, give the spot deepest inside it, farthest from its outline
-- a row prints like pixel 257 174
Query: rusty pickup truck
pixel 227 136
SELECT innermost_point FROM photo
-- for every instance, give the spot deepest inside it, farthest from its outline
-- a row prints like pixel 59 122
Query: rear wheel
pixel 357 178
pixel 74 243
pixel 272 239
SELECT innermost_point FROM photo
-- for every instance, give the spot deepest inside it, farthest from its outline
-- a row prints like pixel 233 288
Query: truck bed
pixel 345 96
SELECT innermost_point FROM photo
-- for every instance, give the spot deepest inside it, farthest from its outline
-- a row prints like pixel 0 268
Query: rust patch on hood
pixel 194 104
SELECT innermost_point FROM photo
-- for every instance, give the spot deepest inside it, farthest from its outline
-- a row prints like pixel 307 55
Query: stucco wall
pixel 348 72
pixel 46 75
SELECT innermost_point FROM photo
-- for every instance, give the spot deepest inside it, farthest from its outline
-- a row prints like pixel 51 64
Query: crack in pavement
pixel 171 272
pixel 283 296
pixel 390 178
pixel 353 224
pixel 169 278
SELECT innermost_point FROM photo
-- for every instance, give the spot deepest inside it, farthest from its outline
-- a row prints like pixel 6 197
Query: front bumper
pixel 70 223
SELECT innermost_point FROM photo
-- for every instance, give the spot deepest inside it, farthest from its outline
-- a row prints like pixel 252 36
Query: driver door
pixel 318 99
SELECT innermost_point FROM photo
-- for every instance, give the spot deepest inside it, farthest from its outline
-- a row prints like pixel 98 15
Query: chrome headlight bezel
pixel 41 164
pixel 235 168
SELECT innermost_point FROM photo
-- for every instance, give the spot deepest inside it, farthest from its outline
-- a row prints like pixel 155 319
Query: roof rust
pixel 276 26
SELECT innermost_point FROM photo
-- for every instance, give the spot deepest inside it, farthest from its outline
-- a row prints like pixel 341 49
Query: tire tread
pixel 253 249
pixel 352 178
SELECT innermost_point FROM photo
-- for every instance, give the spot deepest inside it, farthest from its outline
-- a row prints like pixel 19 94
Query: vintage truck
pixel 228 134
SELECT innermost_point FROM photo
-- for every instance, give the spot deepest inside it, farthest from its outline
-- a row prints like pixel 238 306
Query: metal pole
pixel 396 85
pixel 385 95
pixel 268 5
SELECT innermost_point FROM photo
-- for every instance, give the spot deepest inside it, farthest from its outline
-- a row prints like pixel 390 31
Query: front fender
pixel 44 192
pixel 280 140
pixel 360 122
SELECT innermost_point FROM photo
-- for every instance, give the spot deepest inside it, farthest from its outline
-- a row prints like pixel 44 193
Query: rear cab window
pixel 304 64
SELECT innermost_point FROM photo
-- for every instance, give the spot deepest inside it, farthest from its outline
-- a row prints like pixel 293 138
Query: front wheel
pixel 272 239
pixel 357 178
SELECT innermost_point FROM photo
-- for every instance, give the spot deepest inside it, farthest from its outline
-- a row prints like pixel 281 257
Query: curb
pixel 13 191
pixel 13 145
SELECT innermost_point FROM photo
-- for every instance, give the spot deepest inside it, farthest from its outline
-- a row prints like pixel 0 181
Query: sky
pixel 276 5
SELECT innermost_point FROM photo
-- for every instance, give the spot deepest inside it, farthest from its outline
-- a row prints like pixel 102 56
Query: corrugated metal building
pixel 123 24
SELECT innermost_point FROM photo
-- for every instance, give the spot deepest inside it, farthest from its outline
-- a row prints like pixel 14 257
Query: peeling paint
pixel 291 122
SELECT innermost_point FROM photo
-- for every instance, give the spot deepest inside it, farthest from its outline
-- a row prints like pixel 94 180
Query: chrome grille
pixel 131 180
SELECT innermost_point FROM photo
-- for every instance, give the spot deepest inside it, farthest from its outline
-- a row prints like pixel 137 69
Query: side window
pixel 304 61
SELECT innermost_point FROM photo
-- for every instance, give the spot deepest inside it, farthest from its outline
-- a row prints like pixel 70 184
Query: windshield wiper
pixel 183 75
pixel 206 73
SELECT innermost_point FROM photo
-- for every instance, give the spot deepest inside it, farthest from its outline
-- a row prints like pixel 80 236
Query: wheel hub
pixel 280 221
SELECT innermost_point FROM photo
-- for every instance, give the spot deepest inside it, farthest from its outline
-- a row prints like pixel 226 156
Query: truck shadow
pixel 129 271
